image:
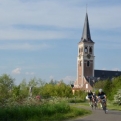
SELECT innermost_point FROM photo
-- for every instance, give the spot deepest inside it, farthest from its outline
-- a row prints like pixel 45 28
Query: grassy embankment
pixel 45 112
pixel 113 106
pixel 110 105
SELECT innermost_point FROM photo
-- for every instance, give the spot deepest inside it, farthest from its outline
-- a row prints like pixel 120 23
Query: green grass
pixel 113 106
pixel 110 105
pixel 45 112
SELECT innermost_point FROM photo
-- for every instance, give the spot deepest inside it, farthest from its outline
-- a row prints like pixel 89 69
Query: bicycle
pixel 94 103
pixel 103 103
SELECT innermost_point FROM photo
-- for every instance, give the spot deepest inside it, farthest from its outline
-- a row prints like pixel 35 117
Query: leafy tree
pixel 47 90
pixel 33 82
pixel 117 97
pixel 6 85
pixel 108 88
pixel 40 82
pixel 63 90
pixel 53 82
pixel 24 90
pixel 116 85
pixel 7 81
pixel 16 92
pixel 99 84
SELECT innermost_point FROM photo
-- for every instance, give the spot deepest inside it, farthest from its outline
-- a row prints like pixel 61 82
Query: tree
pixel 99 84
pixel 108 89
pixel 16 92
pixel 24 89
pixel 33 82
pixel 40 82
pixel 7 81
pixel 53 82
pixel 6 85
pixel 117 97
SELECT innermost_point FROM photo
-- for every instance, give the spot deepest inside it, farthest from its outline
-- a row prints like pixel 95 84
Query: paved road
pixel 99 115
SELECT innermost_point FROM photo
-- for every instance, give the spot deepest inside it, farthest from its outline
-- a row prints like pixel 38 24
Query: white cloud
pixel 115 69
pixel 55 13
pixel 104 69
pixel 105 17
pixel 69 79
pixel 23 46
pixel 51 77
pixel 38 13
pixel 16 34
pixel 29 73
pixel 16 71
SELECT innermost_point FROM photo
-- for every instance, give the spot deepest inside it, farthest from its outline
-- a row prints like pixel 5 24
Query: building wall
pixel 79 73
pixel 88 71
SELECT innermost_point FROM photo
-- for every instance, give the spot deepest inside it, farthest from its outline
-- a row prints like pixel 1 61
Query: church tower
pixel 85 58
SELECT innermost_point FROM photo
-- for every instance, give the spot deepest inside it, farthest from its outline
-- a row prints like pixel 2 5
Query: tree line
pixel 10 91
pixel 110 87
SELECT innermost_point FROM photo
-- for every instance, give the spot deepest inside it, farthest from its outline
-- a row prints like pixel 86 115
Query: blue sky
pixel 39 38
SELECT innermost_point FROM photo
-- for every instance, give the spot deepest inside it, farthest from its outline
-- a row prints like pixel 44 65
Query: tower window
pixel 88 63
pixel 86 50
pixel 79 56
pixel 80 63
pixel 90 49
pixel 79 50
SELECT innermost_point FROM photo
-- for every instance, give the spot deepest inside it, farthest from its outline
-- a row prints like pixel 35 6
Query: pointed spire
pixel 86 36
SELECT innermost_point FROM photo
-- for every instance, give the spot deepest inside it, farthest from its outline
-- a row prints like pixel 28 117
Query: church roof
pixel 86 36
pixel 102 75
pixel 106 74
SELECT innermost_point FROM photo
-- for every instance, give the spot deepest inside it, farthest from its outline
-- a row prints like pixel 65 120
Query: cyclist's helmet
pixel 89 91
pixel 100 90
pixel 93 92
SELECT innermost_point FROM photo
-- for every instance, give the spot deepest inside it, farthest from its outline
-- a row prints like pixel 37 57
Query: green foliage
pixel 63 90
pixel 110 86
pixel 6 81
pixel 6 84
pixel 53 82
pixel 24 89
pixel 16 92
pixel 44 112
pixel 81 94
pixel 108 89
pixel 113 87
pixel 100 84
pixel 33 82
pixel 16 104
pixel 19 93
pixel 58 90
pixel 117 97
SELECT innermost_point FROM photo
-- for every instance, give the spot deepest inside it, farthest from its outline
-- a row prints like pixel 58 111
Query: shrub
pixel 117 97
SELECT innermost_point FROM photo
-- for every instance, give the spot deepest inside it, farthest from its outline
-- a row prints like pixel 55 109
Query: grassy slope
pixel 53 112
pixel 110 105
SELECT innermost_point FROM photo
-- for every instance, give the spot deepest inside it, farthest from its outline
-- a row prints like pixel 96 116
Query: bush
pixel 117 97
pixel 43 112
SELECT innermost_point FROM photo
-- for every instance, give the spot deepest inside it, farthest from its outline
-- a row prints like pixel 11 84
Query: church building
pixel 86 74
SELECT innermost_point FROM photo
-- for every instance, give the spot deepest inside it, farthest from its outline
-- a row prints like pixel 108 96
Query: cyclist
pixel 90 97
pixel 94 97
pixel 101 96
